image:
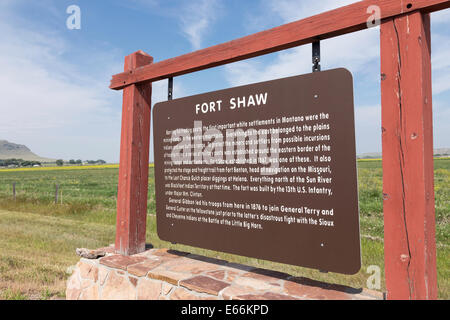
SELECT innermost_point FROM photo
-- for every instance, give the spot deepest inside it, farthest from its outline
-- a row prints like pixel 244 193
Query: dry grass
pixel 36 251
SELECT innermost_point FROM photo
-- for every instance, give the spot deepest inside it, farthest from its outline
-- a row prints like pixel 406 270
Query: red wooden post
pixel 407 136
pixel 134 154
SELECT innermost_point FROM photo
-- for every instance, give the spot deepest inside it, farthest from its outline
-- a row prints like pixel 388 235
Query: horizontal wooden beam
pixel 329 24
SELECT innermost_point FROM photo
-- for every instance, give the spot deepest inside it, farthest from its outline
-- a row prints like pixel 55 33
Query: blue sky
pixel 54 81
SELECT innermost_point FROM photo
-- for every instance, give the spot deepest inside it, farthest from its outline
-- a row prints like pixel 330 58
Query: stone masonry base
pixel 161 274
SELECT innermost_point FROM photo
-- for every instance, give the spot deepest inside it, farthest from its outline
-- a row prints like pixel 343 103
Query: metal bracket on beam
pixel 316 56
pixel 170 91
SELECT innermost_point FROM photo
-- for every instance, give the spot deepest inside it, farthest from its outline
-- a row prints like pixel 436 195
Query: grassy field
pixel 39 237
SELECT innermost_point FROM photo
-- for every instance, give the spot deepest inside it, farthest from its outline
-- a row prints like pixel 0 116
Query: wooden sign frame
pixel 407 134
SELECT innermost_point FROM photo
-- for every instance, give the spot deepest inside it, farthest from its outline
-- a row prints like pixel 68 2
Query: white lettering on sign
pixel 250 101
pixel 206 107
pixel 235 103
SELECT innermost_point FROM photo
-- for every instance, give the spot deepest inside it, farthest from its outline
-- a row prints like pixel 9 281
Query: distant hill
pixel 441 152
pixel 9 150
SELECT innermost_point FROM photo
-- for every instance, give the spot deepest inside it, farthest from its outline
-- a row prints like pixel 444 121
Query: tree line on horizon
pixel 19 163
pixel 61 162
pixel 30 163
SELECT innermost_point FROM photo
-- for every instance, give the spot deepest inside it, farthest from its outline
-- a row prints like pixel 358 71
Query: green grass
pixel 39 237
pixel 370 183
pixel 36 251
pixel 88 195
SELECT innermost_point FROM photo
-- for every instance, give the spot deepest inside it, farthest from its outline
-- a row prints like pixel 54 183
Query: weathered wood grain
pixel 407 137
pixel 134 156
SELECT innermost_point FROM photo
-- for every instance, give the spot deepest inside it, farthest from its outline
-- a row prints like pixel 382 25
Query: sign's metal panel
pixel 266 170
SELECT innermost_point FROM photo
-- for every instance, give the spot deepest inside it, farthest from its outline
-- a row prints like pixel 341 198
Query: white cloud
pixel 59 106
pixel 291 10
pixel 47 102
pixel 271 13
pixel 357 52
pixel 54 108
pixel 196 19
pixel 354 51
pixel 287 63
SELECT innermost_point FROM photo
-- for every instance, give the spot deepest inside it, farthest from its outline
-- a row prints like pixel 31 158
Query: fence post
pixel 56 193
pixel 134 156
pixel 14 191
pixel 407 137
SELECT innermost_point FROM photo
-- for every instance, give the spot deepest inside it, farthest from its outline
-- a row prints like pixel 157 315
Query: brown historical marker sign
pixel 266 170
